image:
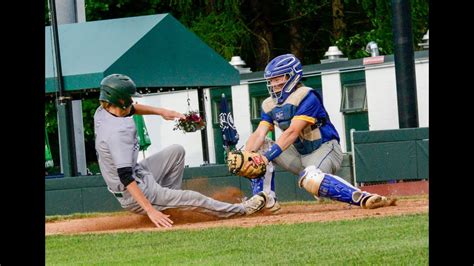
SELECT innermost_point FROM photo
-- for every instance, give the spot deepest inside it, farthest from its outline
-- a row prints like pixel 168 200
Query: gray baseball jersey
pixel 159 176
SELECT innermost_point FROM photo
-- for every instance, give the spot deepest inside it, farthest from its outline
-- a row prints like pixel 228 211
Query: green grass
pixel 399 240
pixel 55 218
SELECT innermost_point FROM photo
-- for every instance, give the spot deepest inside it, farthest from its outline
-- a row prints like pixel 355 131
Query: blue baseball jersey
pixel 303 104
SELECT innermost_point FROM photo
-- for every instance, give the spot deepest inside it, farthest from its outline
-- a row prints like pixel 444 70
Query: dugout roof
pixel 154 50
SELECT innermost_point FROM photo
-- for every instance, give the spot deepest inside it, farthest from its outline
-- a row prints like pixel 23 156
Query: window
pixel 257 106
pixel 354 98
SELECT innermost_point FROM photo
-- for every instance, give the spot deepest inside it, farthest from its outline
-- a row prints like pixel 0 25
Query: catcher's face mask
pixel 287 66
pixel 275 84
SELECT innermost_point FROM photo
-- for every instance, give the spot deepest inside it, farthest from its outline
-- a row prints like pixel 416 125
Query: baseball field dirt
pixel 290 213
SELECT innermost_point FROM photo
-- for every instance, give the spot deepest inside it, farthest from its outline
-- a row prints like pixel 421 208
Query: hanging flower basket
pixel 193 122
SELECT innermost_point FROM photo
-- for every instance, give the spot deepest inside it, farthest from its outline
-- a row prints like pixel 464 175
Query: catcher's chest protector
pixel 310 138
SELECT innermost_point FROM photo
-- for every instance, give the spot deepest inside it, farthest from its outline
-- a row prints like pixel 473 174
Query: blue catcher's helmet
pixel 284 65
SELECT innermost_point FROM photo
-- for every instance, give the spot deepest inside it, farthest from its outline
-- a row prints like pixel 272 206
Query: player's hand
pixel 159 219
pixel 170 115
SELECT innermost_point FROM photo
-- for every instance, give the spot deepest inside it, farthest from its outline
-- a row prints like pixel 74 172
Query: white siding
pixel 241 112
pixel 210 131
pixel 331 88
pixel 381 100
pixel 382 97
pixel 422 88
pixel 161 131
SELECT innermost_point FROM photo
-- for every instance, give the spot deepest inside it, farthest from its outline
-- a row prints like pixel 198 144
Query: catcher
pixel 308 147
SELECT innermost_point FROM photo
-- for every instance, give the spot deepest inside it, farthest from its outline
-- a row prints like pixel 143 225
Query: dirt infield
pixel 289 214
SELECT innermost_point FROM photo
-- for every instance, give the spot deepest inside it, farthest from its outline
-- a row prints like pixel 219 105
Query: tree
pixel 261 30
pixel 371 21
pixel 339 26
pixel 257 21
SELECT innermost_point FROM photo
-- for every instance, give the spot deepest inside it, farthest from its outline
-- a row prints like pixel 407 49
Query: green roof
pixel 154 50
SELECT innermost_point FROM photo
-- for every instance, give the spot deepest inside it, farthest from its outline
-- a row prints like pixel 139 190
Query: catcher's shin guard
pixel 320 184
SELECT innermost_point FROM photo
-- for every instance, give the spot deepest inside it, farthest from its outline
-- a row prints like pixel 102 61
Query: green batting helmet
pixel 118 90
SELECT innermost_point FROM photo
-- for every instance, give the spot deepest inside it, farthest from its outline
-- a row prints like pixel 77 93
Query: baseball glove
pixel 247 164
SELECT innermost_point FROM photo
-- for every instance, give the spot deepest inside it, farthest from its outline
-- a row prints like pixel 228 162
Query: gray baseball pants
pixel 328 158
pixel 161 179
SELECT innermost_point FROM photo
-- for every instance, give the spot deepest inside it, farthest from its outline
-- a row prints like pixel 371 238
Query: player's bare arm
pixel 257 138
pixel 289 136
pixel 167 114
pixel 157 217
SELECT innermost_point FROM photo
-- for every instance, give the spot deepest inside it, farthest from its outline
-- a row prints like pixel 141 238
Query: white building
pixel 356 95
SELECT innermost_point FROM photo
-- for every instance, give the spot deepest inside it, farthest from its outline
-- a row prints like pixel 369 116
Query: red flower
pixel 191 123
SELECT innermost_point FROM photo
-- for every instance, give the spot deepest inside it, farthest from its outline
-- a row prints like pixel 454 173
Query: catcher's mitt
pixel 247 164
